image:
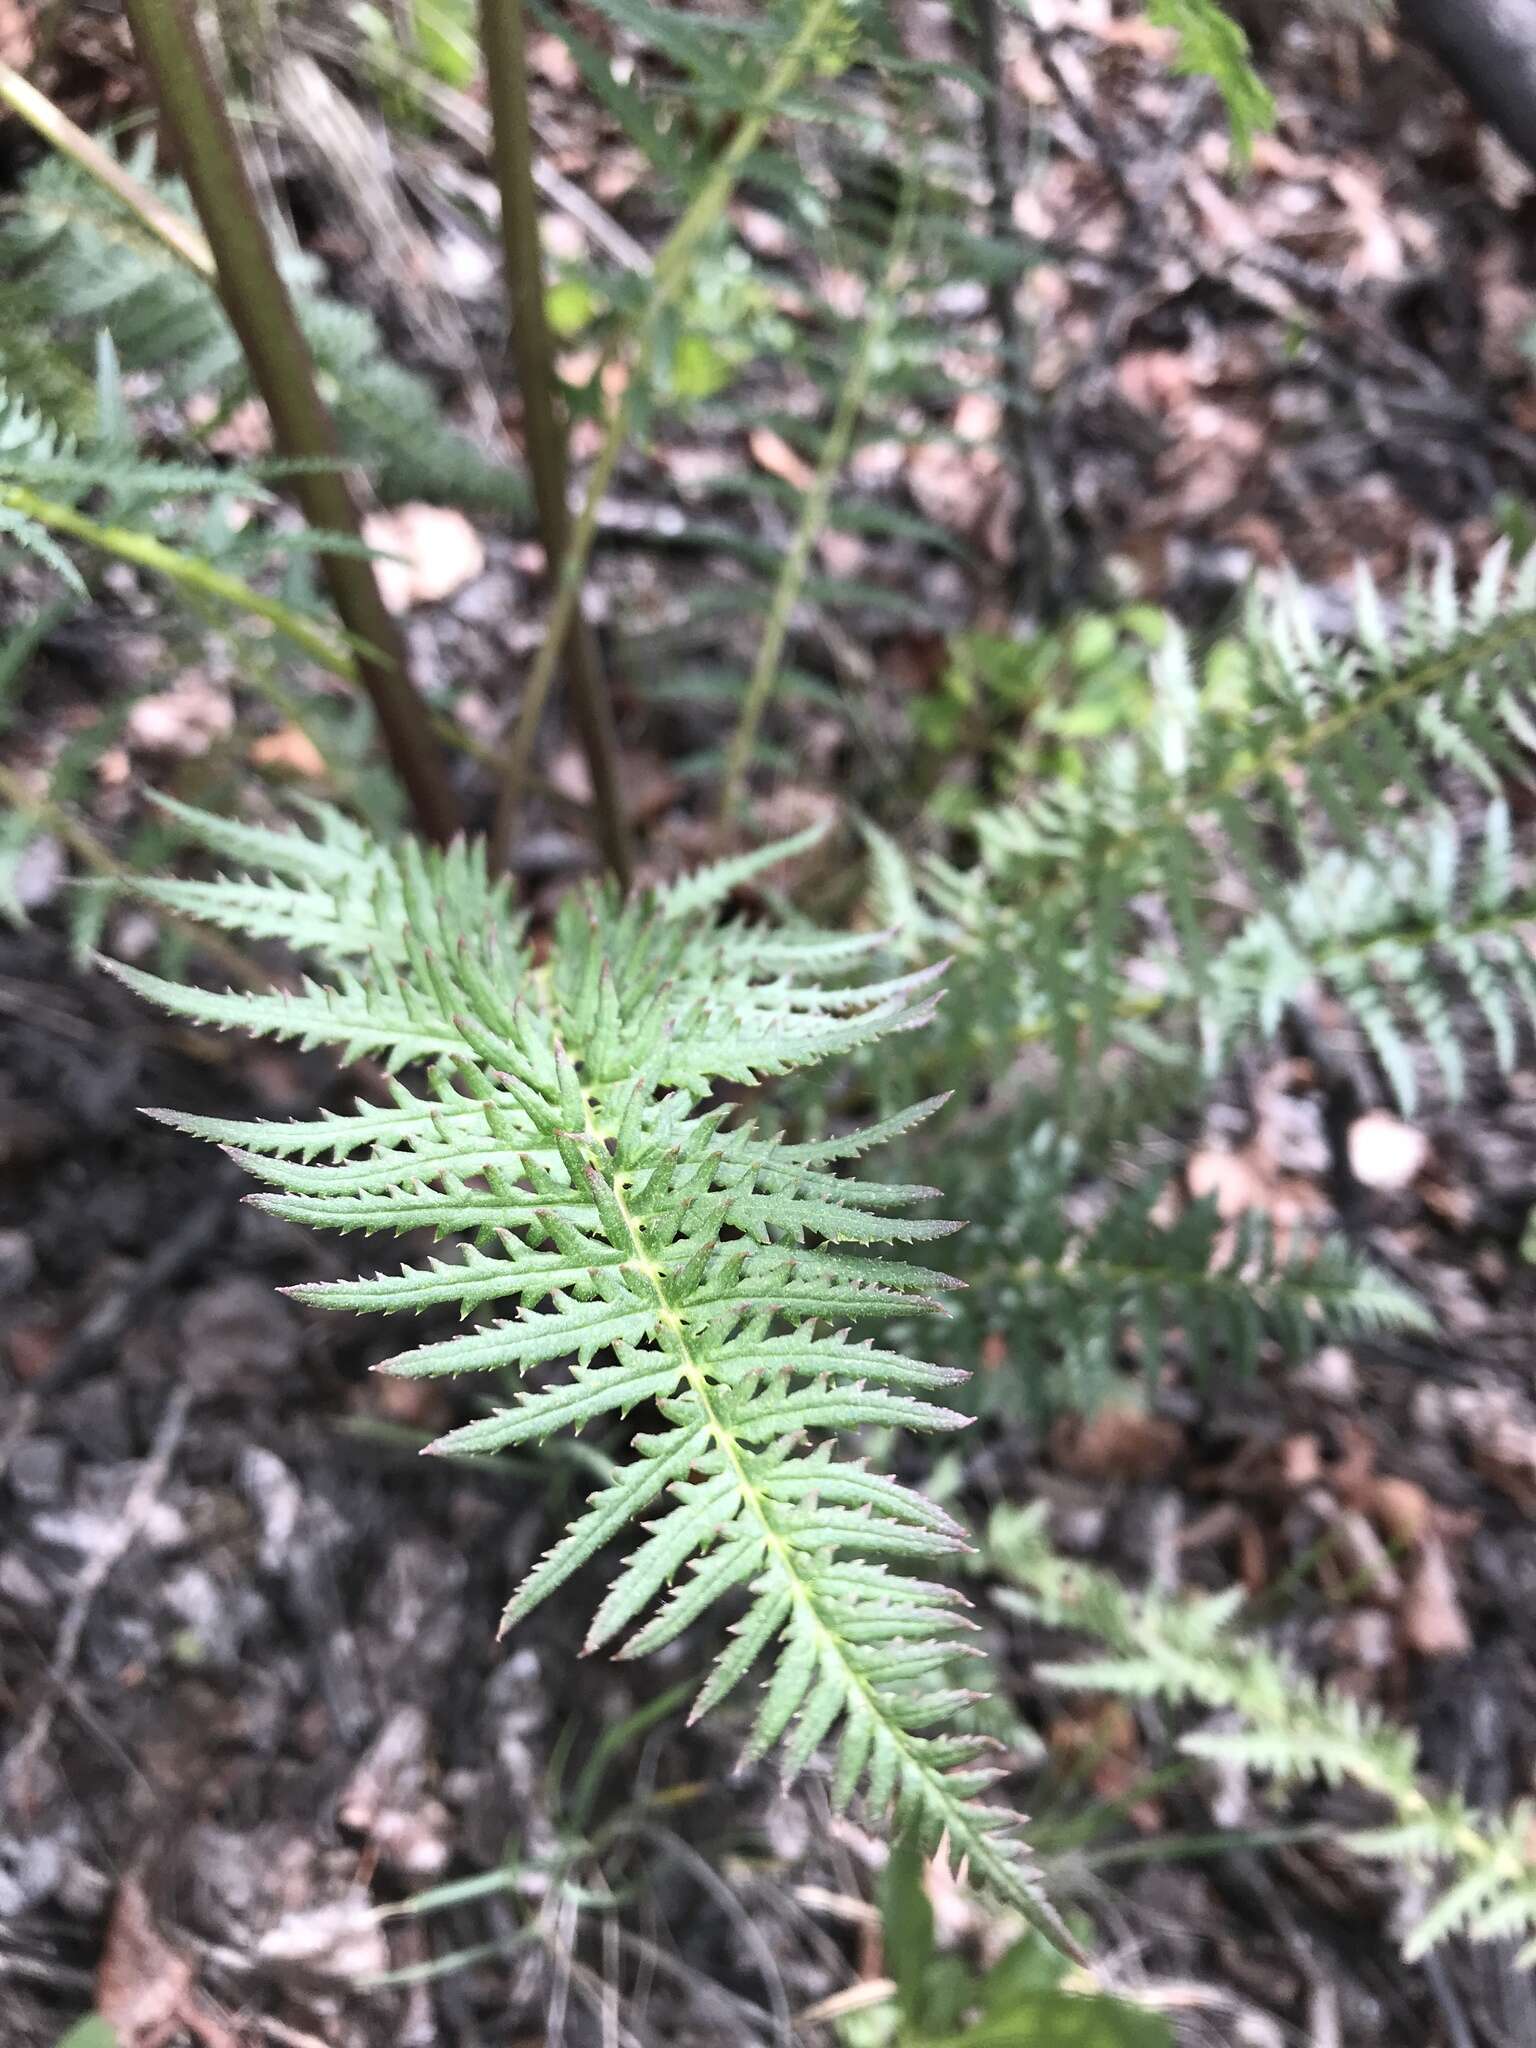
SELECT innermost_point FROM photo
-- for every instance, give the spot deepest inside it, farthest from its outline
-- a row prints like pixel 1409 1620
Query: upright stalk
pixel 503 36
pixel 814 509
pixel 1034 568
pixel 669 278
pixel 262 315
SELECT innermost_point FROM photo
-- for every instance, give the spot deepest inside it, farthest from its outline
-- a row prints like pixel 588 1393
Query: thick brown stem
pixel 262 314
pixel 503 37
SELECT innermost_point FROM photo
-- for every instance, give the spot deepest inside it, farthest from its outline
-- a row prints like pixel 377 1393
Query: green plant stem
pixel 201 579
pixel 55 127
pixel 1304 1729
pixel 668 280
pixel 261 312
pixel 504 39
pixel 813 513
pixel 187 571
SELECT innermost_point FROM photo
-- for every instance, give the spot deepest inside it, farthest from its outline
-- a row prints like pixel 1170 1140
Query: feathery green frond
pixel 691 1272
pixel 1220 859
pixel 1074 1292
pixel 1396 933
pixel 84 264
pixel 1213 45
pixel 1188 1652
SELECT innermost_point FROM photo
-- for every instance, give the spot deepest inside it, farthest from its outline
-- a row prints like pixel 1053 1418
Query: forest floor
pixel 248 1673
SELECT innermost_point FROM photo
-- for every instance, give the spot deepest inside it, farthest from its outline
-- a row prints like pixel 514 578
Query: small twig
pixel 1101 143
pixel 1035 565
pixel 123 1534
pixel 286 2036
pixel 669 278
pixel 191 573
pixel 504 39
pixel 55 127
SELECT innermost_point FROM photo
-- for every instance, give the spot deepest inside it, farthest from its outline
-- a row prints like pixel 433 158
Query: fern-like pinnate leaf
pixel 633 1251
pixel 1072 1291
pixel 1212 44
pixel 84 264
pixel 1223 861
pixel 1395 933
pixel 1187 1652
pixel 30 445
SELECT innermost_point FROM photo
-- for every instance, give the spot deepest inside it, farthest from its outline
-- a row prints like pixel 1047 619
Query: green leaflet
pixel 1191 879
pixel 1212 43
pixel 1481 1869
pixel 1066 1295
pixel 698 1271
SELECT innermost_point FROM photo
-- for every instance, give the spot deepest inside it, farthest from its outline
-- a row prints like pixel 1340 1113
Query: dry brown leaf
pixel 843 555
pixel 184 720
pixel 16 44
pixel 954 487
pixel 1402 1510
pixel 1501 1433
pixel 1433 1622
pixel 290 751
pixel 1385 1153
pixel 341 1939
pixel 549 59
pixel 770 451
pixel 1357 1561
pixel 1157 380
pixel 1234 1181
pixel 244 436
pixel 1301 1461
pixel 978 417
pixel 1331 1374
pixel 432 552
pixel 646 782
pixel 33 1348
pixel 1105 1730
pixel 145 1989
pixel 1120 1442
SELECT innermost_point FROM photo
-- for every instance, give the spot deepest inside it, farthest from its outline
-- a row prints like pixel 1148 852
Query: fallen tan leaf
pixel 1232 1180
pixel 143 1986
pixel 978 417
pixel 1301 1461
pixel 1385 1153
pixel 1402 1510
pixel 954 487
pixel 843 555
pixel 16 43
pixel 549 59
pixel 1331 1374
pixel 341 1939
pixel 1501 1433
pixel 291 751
pixel 431 552
pixel 1431 1614
pixel 770 451
pixel 1357 1561
pixel 184 720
